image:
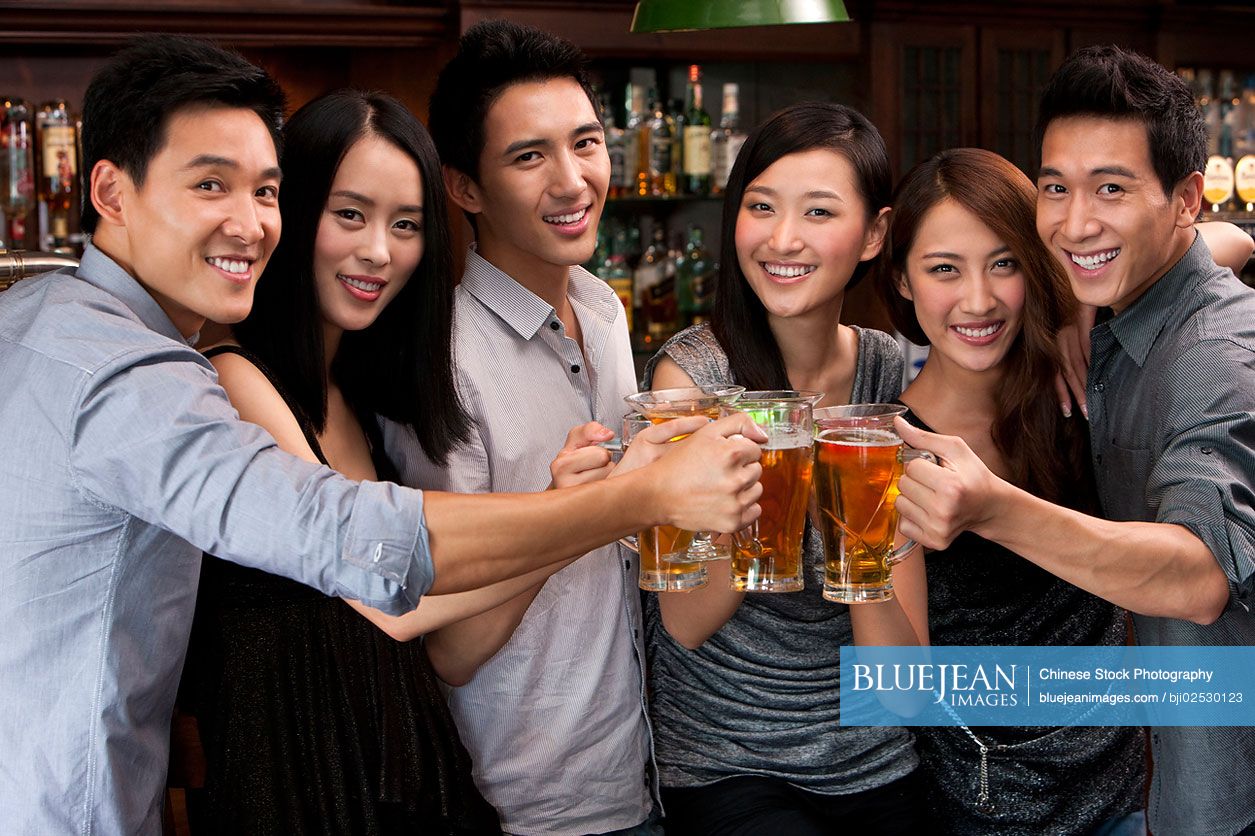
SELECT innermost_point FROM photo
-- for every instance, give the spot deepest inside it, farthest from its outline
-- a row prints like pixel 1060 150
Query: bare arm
pixel 438 611
pixel 709 480
pixel 578 462
pixel 903 619
pixel 1156 569
pixel 1230 246
pixel 460 644
pixel 458 650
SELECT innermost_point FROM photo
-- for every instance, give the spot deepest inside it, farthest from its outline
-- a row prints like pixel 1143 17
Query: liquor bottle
pixel 697 139
pixel 695 281
pixel 1229 101
pixel 17 171
pixel 1244 183
pixel 726 140
pixel 58 170
pixel 659 307
pixel 675 112
pixel 615 271
pixel 661 131
pixel 1218 183
pixel 616 148
pixel 1210 106
pixel 633 108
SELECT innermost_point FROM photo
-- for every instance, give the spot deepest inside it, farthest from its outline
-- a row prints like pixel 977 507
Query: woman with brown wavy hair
pixel 964 271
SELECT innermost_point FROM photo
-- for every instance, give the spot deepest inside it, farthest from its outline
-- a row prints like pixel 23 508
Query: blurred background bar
pixel 677 105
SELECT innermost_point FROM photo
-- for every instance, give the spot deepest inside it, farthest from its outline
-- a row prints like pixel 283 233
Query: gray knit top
pixel 760 696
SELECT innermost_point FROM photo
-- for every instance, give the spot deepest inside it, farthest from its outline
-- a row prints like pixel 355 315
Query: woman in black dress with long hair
pixel 312 719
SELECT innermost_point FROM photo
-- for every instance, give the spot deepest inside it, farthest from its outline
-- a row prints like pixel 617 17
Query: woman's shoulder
pixel 696 351
pixel 878 377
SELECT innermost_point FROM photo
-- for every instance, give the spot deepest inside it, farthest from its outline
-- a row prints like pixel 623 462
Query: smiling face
pixel 967 287
pixel 200 229
pixel 370 236
pixel 543 176
pixel 1102 211
pixel 801 230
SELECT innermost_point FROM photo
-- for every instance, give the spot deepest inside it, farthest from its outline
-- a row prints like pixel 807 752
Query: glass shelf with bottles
pixel 40 179
pixel 1229 111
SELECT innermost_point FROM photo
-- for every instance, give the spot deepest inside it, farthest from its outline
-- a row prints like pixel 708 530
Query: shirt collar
pixel 1139 325
pixel 100 270
pixel 517 306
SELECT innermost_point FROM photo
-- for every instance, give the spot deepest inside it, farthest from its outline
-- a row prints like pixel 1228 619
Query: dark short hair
pixel 1114 83
pixel 492 56
pixel 738 318
pixel 130 100
pixel 401 366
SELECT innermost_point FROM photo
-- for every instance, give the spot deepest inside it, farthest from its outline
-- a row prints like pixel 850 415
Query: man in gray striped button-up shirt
pixel 1171 399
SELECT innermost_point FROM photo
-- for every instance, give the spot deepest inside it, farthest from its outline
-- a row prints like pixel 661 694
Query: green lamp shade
pixel 681 15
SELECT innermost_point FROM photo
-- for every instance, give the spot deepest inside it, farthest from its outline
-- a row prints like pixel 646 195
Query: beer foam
pixel 786 438
pixel 859 437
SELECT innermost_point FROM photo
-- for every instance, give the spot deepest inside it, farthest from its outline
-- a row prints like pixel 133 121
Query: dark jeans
pixel 754 806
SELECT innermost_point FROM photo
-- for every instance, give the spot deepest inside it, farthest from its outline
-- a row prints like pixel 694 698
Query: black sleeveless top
pixel 313 720
pixel 1056 780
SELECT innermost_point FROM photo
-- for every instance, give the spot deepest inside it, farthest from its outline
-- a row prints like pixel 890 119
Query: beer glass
pixel 663 548
pixel 662 405
pixel 858 461
pixel 767 556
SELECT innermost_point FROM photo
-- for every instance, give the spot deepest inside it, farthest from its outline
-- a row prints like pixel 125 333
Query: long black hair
pixel 400 367
pixel 738 318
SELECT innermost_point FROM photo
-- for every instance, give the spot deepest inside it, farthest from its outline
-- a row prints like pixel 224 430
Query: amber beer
pixel 661 405
pixel 768 556
pixel 663 547
pixel 856 485
pixel 663 568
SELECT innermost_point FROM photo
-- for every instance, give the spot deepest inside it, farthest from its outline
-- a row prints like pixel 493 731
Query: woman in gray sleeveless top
pixel 745 700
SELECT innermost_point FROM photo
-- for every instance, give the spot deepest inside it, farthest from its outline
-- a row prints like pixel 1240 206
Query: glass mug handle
pixel 908 454
pixel 631 542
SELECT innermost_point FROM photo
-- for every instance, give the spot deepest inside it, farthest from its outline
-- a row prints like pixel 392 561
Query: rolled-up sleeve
pixel 153 435
pixel 1202 477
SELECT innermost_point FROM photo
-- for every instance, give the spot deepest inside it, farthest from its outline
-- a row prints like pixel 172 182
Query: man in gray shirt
pixel 1171 397
pixel 551 701
pixel 121 458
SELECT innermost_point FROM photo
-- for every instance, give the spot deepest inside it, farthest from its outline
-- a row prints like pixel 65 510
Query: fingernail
pixel 1085 411
pixel 1067 410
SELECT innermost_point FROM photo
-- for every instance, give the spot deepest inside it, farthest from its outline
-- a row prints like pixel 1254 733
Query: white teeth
pixel 230 265
pixel 566 219
pixel 1092 262
pixel 369 287
pixel 788 271
pixel 979 332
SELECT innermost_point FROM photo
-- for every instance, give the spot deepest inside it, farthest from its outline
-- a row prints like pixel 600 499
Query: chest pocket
pixel 1124 474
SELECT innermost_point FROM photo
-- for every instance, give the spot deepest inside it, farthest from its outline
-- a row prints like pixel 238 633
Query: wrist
pixel 995 510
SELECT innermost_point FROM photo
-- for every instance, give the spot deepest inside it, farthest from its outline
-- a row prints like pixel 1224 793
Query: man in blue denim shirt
pixel 122 459
pixel 1171 399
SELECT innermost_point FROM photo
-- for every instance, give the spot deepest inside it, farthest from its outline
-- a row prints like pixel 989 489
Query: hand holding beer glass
pixel 663 548
pixel 663 405
pixel 767 556
pixel 859 458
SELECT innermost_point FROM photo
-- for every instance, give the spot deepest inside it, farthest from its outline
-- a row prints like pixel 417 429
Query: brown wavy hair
pixel 1048 455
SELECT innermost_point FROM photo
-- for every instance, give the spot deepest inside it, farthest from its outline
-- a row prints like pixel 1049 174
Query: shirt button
pixel 553 325
pixel 627 565
pixel 575 369
pixel 1099 387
